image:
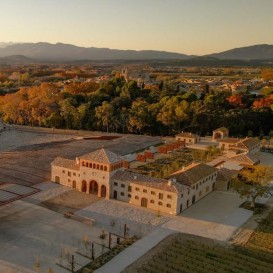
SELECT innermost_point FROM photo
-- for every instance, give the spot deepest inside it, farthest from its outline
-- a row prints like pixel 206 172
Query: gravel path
pixel 113 215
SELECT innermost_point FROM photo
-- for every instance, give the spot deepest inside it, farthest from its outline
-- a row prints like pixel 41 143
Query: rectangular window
pixel 129 188
pixel 160 196
pixel 129 195
pixel 144 190
pixel 200 193
pixel 152 192
pixel 169 206
pixel 63 171
pixel 122 193
pixel 169 196
pixel 74 174
pixel 115 183
pixel 152 201
pixel 136 197
pixel 137 189
pixel 69 174
pixel 122 185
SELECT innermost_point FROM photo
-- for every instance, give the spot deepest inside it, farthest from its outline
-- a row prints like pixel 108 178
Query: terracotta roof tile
pixel 187 135
pixel 147 181
pixel 102 156
pixel 193 173
pixel 65 163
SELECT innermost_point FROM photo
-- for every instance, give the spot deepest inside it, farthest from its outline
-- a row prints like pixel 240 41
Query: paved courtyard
pixel 216 216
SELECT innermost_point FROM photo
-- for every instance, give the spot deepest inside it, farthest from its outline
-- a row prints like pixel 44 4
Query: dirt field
pixel 70 201
pixel 30 164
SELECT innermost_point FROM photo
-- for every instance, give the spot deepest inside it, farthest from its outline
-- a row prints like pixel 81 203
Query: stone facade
pixel 188 138
pixel 104 173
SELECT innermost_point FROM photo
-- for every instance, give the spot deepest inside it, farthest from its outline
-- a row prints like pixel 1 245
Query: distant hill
pixel 67 52
pixel 70 53
pixel 261 52
pixel 16 59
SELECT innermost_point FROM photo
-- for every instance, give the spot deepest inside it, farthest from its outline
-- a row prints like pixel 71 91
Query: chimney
pixel 135 177
pixel 77 161
pixel 170 182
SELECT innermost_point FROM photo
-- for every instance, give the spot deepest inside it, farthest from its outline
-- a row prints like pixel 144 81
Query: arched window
pixel 98 166
pixel 160 203
pixel 94 166
pixel 90 165
pixel 105 168
pixel 83 163
pixel 101 167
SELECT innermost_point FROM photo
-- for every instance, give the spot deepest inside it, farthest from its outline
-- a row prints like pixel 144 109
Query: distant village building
pixel 104 173
pixel 188 138
pixel 235 145
pixel 220 133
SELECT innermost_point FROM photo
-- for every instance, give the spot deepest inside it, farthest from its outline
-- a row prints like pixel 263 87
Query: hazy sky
pixel 185 26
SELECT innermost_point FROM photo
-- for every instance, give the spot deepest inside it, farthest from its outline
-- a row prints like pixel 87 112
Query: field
pixel 191 254
pixel 185 253
pixel 262 238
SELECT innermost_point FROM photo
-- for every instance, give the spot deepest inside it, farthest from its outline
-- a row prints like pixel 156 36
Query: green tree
pixel 104 114
pixel 253 183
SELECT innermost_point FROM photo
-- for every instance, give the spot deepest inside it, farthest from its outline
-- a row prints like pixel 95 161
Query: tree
pixel 104 114
pixel 253 182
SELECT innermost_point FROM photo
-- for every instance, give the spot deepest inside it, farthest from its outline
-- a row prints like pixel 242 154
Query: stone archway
pixel 103 191
pixel 57 179
pixel 84 186
pixel 144 202
pixel 93 187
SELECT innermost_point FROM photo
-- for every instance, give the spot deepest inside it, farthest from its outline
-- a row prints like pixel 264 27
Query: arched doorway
pixel 103 191
pixel 144 202
pixel 213 186
pixel 193 199
pixel 115 195
pixel 84 186
pixel 57 179
pixel 93 187
pixel 181 208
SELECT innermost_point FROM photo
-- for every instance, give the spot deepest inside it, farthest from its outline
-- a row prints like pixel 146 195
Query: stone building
pixel 188 138
pixel 247 145
pixel 105 174
pixel 220 133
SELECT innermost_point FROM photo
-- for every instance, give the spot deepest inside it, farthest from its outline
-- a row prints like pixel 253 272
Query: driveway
pixel 216 216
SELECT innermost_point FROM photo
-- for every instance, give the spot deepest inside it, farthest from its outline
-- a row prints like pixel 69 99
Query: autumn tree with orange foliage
pixel 263 102
pixel 235 100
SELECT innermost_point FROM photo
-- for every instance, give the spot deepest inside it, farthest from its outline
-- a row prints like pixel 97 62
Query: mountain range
pixel 66 52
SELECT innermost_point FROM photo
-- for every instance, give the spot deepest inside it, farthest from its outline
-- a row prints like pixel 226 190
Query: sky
pixel 194 27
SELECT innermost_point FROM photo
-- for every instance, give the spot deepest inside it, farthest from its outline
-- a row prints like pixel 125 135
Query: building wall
pixel 158 200
pixel 199 190
pixel 66 176
pixel 188 140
